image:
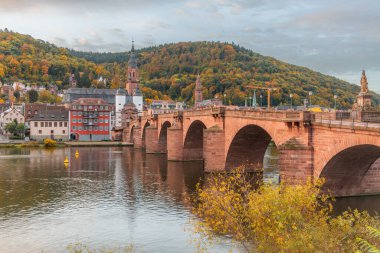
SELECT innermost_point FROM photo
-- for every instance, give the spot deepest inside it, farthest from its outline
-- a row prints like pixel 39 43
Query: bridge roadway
pixel 345 152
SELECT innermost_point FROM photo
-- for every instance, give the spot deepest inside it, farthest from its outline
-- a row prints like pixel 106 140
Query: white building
pixel 50 125
pixel 10 115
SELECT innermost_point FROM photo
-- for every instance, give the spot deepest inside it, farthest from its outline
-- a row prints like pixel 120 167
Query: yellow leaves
pixel 284 218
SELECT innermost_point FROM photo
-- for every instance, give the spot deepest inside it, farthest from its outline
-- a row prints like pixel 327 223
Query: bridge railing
pixel 269 115
pixel 348 119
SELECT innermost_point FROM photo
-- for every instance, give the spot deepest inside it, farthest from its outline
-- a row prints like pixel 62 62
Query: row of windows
pixel 90 121
pixel 11 119
pixel 95 128
pixel 92 114
pixel 90 107
pixel 51 131
pixel 50 124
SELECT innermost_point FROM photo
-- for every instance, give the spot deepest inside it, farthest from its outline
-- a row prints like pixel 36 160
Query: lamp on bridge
pixel 224 95
pixel 310 94
pixel 335 97
pixel 261 100
pixel 291 99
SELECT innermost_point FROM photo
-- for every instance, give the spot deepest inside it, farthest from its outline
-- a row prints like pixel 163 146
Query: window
pixel 35 112
pixel 90 107
pixel 65 124
pixel 79 120
pixel 95 121
pixel 74 127
pixel 100 120
pixel 35 124
pixel 74 121
pixel 106 121
pixel 106 107
pixel 55 124
pixel 60 124
pixel 39 131
pixel 52 131
pixel 75 113
pixel 101 128
pixel 85 107
pixel 79 113
pixel 63 131
pixel 101 107
pixel 42 124
pixel 29 112
pixel 50 124
pixel 106 128
pixel 84 120
pixel 96 128
pixel 101 113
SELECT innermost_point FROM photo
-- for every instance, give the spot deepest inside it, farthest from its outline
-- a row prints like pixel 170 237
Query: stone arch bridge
pixel 344 151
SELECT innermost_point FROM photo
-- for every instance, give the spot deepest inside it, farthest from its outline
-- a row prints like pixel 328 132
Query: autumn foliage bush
pixel 283 218
pixel 49 143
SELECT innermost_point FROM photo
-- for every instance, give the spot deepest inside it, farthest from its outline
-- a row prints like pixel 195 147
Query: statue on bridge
pixel 364 83
pixel 364 98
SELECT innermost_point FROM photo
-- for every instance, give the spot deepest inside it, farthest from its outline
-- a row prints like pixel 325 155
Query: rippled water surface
pixel 107 197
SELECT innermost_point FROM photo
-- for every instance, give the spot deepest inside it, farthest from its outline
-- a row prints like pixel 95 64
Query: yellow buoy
pixel 66 160
pixel 76 154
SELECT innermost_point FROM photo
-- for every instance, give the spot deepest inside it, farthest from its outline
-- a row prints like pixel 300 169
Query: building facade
pixel 9 115
pixel 165 106
pixel 50 124
pixel 90 119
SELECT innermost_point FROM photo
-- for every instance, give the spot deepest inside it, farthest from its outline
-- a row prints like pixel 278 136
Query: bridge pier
pixel 137 139
pixel 214 153
pixel 151 140
pixel 175 143
pixel 295 162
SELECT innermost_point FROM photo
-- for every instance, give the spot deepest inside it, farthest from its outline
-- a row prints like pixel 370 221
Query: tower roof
pixel 132 63
pixel 121 91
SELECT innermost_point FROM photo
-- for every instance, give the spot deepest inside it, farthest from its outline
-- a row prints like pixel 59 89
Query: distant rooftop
pixel 51 115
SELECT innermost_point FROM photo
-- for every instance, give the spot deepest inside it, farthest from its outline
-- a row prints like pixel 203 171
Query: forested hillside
pixel 169 71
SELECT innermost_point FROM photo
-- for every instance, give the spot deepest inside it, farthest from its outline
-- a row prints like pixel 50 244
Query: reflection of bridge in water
pixel 343 148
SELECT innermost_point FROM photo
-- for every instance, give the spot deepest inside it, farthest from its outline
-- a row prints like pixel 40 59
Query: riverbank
pixel 23 144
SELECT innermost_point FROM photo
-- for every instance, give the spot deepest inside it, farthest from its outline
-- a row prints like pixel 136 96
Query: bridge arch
pixel 131 135
pixel 248 148
pixel 193 142
pixel 350 171
pixel 143 133
pixel 162 138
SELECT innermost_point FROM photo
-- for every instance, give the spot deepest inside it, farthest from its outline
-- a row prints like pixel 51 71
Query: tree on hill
pixel 32 96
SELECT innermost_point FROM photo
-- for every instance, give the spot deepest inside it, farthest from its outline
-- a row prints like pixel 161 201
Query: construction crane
pixel 269 89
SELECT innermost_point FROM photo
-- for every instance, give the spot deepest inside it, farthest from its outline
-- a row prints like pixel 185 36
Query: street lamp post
pixel 291 99
pixel 335 97
pixel 261 100
pixel 224 98
pixel 310 94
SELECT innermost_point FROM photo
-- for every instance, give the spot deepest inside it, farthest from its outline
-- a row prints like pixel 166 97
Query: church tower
pixel 198 95
pixel 132 73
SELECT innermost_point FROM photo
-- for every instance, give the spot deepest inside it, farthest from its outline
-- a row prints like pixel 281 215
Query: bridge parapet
pixel 346 119
pixel 285 116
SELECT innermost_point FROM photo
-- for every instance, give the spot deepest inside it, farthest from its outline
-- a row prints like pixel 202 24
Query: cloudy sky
pixel 339 37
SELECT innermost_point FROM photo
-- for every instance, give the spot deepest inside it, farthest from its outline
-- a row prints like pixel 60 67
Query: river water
pixel 107 197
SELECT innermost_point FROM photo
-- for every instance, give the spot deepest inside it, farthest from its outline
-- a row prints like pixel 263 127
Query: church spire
pixel 198 96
